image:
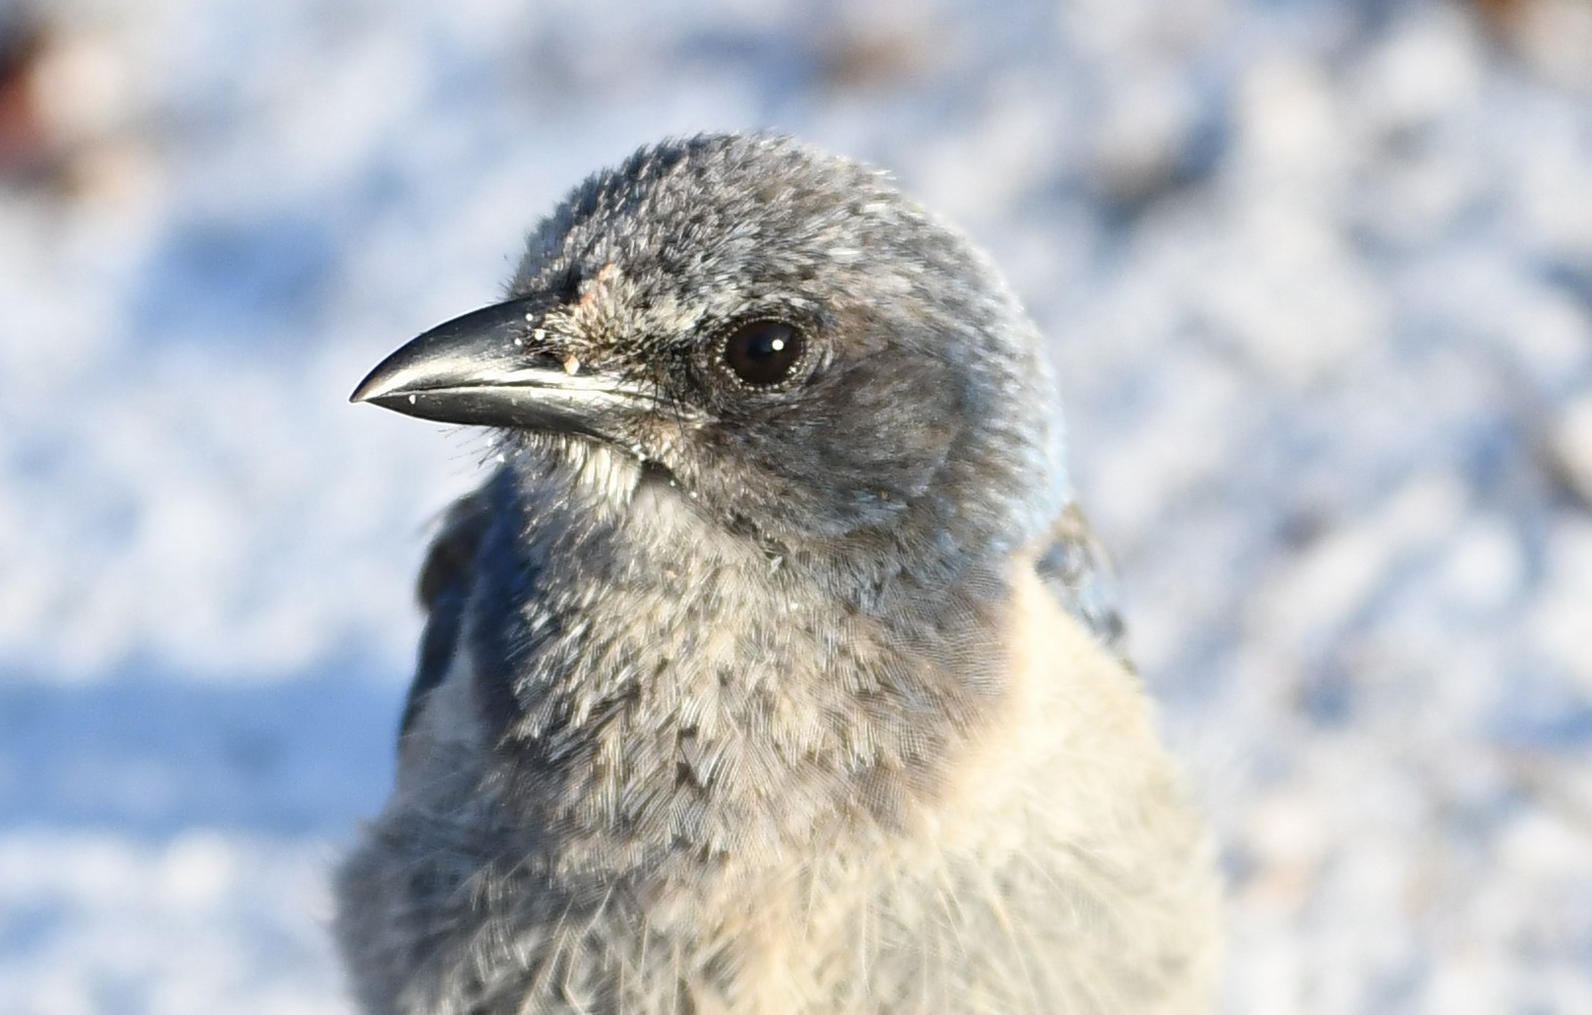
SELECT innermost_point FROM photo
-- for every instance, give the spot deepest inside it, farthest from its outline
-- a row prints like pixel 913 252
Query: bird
pixel 773 667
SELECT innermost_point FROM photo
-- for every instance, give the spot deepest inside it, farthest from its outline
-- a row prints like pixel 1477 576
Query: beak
pixel 492 368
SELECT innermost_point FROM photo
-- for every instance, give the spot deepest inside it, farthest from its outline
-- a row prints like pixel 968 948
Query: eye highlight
pixel 764 353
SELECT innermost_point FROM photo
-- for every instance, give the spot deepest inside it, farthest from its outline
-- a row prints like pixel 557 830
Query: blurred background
pixel 1318 277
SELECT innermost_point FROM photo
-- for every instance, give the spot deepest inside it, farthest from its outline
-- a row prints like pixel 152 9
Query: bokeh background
pixel 1318 277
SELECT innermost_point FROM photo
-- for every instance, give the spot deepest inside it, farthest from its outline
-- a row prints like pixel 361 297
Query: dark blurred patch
pixel 1327 696
pixel 65 121
pixel 1128 187
pixel 867 59
pixel 1571 276
pixel 1300 526
pixel 24 135
pixel 1550 38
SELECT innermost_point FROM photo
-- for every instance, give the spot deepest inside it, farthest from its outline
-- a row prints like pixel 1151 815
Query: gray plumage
pixel 752 695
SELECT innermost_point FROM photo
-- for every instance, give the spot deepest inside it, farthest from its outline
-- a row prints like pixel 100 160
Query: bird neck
pixel 653 680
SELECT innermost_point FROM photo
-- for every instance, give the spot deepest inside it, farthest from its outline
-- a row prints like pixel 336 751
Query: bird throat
pixel 653 680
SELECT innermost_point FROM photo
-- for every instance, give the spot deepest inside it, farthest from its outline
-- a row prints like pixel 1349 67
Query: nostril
pixel 543 359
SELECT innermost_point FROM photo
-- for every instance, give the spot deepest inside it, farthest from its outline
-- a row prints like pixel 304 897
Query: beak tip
pixel 376 383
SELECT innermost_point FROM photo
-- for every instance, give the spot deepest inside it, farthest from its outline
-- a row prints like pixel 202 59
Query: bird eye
pixel 764 353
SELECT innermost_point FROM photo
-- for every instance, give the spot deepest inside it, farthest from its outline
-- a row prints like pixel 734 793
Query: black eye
pixel 763 353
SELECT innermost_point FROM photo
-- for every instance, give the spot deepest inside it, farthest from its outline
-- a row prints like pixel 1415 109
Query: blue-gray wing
pixel 445 581
pixel 1078 572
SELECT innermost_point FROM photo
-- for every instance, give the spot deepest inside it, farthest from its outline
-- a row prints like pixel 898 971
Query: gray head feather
pixel 925 409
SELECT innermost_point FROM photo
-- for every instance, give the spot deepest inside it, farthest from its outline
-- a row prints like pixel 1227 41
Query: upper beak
pixel 491 368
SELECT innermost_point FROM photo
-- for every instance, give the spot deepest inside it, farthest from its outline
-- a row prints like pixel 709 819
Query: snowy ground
pixel 1319 277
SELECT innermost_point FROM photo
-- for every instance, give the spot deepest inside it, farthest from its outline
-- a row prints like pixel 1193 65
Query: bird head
pixel 776 333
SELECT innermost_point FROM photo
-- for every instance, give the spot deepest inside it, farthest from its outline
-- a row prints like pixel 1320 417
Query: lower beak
pixel 491 367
